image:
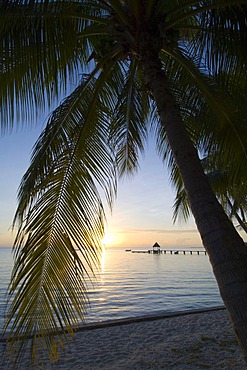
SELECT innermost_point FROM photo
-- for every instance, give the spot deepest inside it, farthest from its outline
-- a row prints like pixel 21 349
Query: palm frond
pixel 99 130
pixel 222 180
pixel 181 207
pixel 181 11
pixel 203 84
pixel 119 11
pixel 212 108
pixel 128 127
pixel 41 54
pixel 61 211
pixel 222 39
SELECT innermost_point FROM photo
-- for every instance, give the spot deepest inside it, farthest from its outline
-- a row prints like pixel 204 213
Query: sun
pixel 108 239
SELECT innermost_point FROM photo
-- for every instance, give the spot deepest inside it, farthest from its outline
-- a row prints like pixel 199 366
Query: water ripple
pixel 137 284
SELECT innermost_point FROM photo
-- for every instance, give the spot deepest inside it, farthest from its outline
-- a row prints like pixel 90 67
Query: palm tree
pixel 231 195
pixel 139 62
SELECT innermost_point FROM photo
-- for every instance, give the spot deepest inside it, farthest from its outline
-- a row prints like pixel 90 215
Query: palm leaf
pixel 63 212
pixel 41 54
pixel 181 208
pixel 129 123
pixel 101 128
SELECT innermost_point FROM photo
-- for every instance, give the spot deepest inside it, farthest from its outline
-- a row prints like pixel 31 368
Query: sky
pixel 142 214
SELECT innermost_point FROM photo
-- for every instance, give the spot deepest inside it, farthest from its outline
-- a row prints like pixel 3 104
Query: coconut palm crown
pixel 126 67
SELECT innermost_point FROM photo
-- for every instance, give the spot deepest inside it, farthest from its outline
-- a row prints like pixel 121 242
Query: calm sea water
pixel 131 284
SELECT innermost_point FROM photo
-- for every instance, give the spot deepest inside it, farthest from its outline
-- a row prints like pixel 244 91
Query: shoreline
pixel 185 340
pixel 151 317
pixel 133 319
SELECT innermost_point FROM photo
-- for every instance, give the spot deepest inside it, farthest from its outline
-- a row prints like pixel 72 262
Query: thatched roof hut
pixel 156 248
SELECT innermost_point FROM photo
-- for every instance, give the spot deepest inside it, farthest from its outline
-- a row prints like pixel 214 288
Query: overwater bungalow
pixel 156 248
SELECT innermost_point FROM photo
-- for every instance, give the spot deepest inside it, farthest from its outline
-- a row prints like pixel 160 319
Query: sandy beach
pixel 188 341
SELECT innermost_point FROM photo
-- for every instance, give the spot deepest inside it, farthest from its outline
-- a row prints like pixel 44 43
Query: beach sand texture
pixel 200 340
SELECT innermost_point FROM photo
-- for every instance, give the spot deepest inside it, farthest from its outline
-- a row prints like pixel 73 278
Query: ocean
pixel 135 284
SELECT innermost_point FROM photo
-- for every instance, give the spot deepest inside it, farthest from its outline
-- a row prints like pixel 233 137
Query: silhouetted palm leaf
pixel 126 67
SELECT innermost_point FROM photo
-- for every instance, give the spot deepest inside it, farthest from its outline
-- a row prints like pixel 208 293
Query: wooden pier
pixel 166 251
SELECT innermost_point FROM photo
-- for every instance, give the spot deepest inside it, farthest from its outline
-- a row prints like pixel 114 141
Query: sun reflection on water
pixel 102 260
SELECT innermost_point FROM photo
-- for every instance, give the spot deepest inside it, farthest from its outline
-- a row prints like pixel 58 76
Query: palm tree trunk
pixel 226 249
